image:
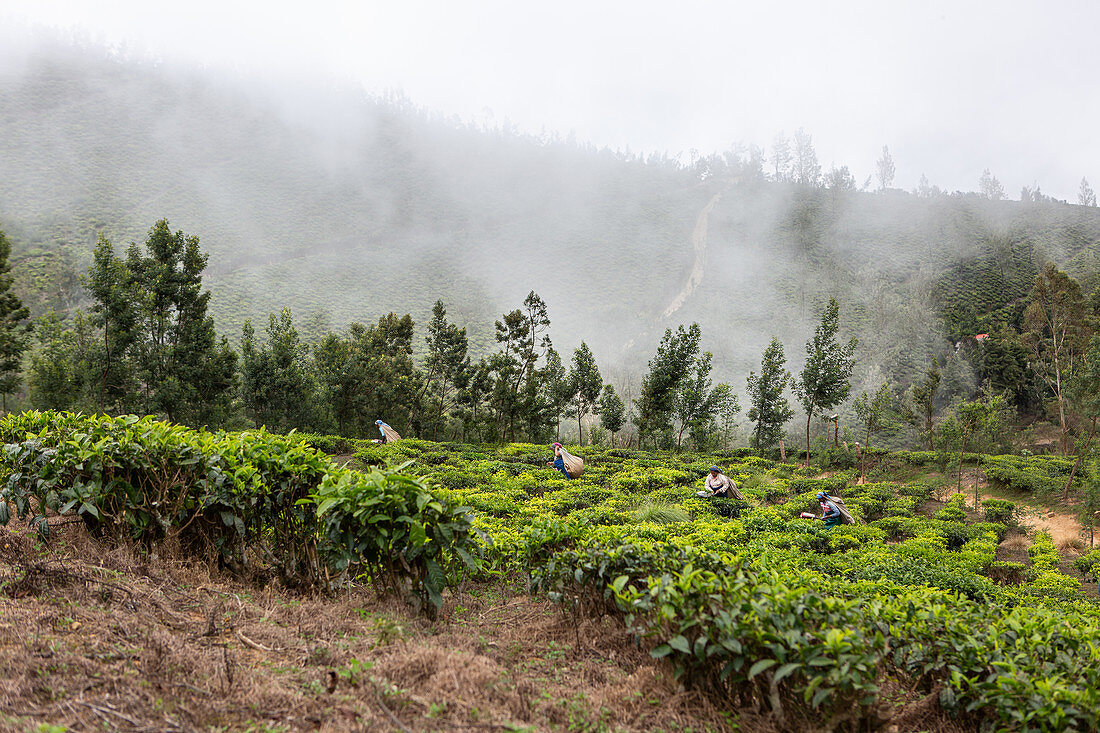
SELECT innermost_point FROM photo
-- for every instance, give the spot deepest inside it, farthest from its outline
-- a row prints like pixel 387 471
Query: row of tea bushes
pixel 243 498
pixel 803 644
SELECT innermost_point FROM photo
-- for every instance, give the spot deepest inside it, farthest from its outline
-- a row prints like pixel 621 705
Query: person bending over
pixel 720 485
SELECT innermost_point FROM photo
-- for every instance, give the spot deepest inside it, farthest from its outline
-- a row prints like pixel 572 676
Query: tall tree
pixel 114 308
pixel 175 351
pixel 559 390
pixel 524 338
pixel 925 189
pixel 369 375
pixel 444 365
pixel 277 385
pixel 990 187
pixel 1056 334
pixel 884 169
pixel 159 341
pixel 768 408
pixel 807 171
pixel 65 364
pixel 667 371
pixel 1085 195
pixel 823 383
pixel 781 157
pixel 585 384
pixel 840 179
pixel 1084 395
pixel 871 409
pixel 728 407
pixel 14 327
pixel 919 407
pixel 611 410
pixel 697 404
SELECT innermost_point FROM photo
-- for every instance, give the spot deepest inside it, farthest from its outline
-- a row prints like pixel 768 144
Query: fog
pixel 344 194
pixel 952 87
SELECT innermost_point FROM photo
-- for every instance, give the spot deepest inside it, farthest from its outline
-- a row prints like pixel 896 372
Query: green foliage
pixel 1039 475
pixel 823 383
pixel 669 370
pixel 768 408
pixel 954 511
pixel 277 384
pixel 1089 565
pixel 396 529
pixel 217 494
pixel 999 510
pixel 585 384
pixel 611 410
pixel 14 327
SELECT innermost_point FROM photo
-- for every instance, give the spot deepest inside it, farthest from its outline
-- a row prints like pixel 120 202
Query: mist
pixel 345 205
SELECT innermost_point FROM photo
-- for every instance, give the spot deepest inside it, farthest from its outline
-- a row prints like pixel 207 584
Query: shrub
pixel 1089 565
pixel 999 510
pixel 395 529
pixel 149 480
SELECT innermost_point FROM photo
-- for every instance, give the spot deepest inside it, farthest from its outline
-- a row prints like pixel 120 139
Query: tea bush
pixel 395 529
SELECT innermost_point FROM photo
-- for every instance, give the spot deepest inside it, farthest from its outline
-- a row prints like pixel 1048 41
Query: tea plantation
pixel 744 600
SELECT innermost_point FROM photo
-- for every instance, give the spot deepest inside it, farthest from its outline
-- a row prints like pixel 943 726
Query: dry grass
pixel 130 642
pixel 100 637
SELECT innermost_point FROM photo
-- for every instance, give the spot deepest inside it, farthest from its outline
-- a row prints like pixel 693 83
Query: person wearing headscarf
pixel 830 512
pixel 720 485
pixel 388 433
pixel 559 462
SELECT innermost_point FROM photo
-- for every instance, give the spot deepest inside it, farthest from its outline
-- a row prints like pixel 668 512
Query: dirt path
pixel 699 243
pixel 1064 529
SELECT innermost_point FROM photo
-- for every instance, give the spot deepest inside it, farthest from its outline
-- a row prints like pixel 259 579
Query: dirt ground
pixel 100 637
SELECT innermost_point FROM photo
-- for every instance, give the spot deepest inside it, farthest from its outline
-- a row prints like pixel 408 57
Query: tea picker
pixel 388 434
pixel 720 485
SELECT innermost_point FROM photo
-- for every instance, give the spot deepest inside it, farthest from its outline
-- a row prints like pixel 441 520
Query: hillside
pixel 620 600
pixel 344 208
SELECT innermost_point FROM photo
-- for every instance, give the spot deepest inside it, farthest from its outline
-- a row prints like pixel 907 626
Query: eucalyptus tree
pixel 1056 334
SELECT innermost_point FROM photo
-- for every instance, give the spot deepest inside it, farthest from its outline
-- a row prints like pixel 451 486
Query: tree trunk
pixel 1080 455
pixel 809 416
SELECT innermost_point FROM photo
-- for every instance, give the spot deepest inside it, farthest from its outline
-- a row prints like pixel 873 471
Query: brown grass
pixel 129 641
pixel 94 636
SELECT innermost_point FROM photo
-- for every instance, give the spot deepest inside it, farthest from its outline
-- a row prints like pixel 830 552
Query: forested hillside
pixel 344 208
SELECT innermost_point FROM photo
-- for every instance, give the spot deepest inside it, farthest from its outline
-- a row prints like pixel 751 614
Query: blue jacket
pixel 831 513
pixel 559 464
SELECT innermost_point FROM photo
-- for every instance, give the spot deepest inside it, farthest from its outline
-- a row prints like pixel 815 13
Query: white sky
pixel 952 86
